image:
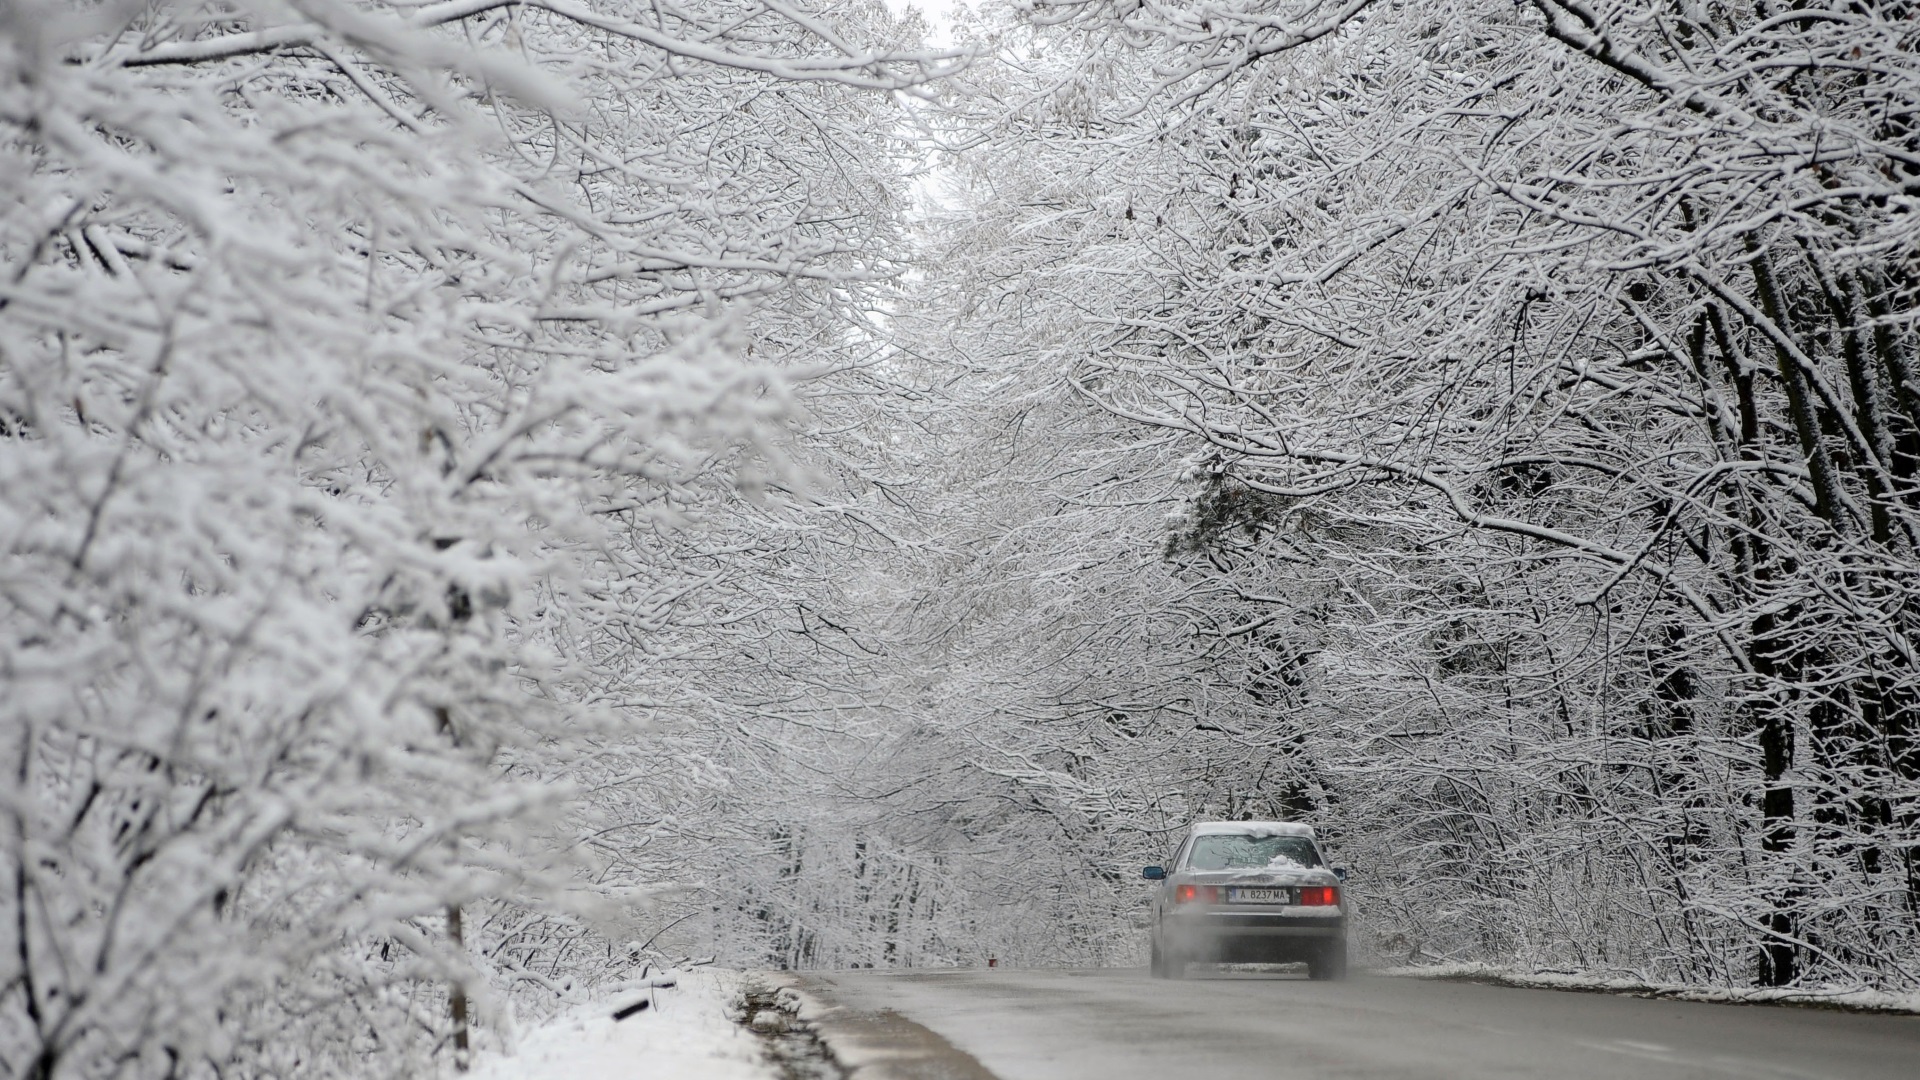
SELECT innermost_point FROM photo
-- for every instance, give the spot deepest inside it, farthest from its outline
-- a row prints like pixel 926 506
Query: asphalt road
pixel 1118 1025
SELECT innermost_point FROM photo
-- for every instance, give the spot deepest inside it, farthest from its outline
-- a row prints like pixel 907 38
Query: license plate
pixel 1259 896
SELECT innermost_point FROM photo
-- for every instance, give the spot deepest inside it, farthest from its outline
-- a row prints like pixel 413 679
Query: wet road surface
pixel 1117 1024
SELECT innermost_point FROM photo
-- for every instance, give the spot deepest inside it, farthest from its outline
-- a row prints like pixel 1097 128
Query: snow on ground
pixel 1834 997
pixel 684 1035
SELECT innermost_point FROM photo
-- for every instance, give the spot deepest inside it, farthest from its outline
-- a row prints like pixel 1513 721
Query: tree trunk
pixel 457 995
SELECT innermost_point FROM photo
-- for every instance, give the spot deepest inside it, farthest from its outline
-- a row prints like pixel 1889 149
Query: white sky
pixel 936 12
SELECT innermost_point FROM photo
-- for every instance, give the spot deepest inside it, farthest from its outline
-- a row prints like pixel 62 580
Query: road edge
pixel 1873 1002
pixel 880 1045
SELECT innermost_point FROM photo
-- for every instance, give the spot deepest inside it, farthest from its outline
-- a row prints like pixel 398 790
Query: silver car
pixel 1249 892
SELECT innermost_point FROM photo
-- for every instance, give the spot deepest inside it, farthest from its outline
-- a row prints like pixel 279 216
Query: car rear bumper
pixel 1253 926
pixel 1225 937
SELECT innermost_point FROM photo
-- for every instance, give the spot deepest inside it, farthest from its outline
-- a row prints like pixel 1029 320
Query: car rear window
pixel 1246 851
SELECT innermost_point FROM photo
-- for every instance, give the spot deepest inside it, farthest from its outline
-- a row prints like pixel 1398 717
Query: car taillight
pixel 1320 896
pixel 1187 894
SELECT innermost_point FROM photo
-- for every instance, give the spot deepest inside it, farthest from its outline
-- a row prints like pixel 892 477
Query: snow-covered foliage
pixel 1540 379
pixel 354 357
pixel 494 491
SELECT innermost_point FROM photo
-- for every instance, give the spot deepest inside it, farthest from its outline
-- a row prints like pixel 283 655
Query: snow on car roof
pixel 1251 828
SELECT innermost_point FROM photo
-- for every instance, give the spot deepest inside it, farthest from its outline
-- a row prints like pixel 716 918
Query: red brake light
pixel 1184 894
pixel 1320 896
pixel 1187 894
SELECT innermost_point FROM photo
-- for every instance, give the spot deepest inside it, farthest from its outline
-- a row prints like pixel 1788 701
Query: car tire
pixel 1329 963
pixel 1174 964
pixel 1156 960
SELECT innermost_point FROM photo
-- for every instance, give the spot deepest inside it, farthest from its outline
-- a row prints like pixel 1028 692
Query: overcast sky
pixel 935 10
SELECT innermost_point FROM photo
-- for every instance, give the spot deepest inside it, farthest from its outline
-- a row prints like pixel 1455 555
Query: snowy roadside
pixel 685 1032
pixel 1854 1000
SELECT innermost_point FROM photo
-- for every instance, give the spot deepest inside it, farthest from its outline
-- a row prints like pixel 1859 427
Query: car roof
pixel 1251 828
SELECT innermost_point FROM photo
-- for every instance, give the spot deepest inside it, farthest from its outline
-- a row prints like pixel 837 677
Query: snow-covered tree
pixel 1542 377
pixel 349 355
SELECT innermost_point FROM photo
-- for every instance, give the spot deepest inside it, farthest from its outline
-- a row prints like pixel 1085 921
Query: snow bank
pixel 684 1033
pixel 1854 999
